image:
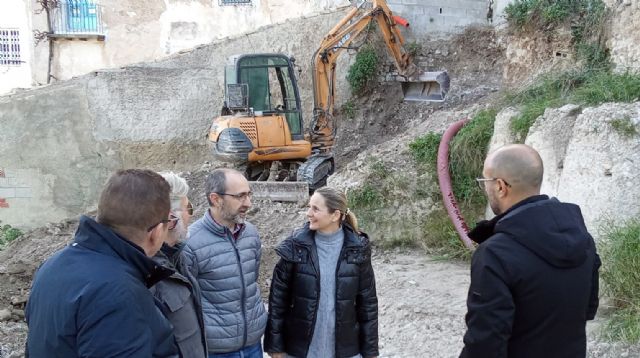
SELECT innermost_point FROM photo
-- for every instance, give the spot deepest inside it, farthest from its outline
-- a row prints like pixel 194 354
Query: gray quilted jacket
pixel 227 272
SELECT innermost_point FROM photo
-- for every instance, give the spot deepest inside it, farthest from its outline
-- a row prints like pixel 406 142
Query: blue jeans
pixel 254 351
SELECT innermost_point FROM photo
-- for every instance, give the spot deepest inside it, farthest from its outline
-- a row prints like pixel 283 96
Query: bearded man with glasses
pixel 223 253
pixel 179 295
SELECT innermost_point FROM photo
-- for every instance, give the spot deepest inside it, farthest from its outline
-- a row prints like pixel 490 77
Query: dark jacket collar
pixel 100 238
pixel 486 228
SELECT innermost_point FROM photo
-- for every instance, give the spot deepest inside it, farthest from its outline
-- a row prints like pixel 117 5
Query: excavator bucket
pixel 426 87
pixel 289 191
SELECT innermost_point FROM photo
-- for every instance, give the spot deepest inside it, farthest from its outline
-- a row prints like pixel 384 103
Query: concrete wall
pixel 15 14
pixel 437 17
pixel 139 31
pixel 58 144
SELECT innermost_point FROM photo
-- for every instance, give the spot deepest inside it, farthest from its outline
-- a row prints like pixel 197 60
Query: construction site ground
pixel 421 299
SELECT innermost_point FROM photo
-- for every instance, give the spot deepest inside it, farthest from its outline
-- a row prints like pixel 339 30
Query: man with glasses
pixel 534 276
pixel 179 295
pixel 223 253
pixel 91 299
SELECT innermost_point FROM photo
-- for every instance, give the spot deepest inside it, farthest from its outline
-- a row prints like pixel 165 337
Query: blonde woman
pixel 323 299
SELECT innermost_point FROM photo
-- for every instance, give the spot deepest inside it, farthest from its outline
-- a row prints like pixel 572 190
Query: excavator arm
pixel 417 85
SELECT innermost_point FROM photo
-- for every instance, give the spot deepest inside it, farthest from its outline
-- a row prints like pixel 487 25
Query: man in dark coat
pixel 179 295
pixel 534 277
pixel 91 299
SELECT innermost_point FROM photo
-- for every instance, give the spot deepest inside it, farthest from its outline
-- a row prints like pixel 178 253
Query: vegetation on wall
pixel 620 272
pixel 584 87
pixel 586 19
pixel 8 234
pixel 364 69
pixel 592 83
pixel 349 109
pixel 434 232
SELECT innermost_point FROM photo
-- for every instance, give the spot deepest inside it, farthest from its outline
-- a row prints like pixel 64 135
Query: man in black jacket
pixel 91 299
pixel 534 276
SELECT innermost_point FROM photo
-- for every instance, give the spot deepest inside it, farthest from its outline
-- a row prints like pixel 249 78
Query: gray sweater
pixel 324 334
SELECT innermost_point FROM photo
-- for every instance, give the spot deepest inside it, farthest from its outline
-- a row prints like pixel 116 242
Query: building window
pixel 10 47
pixel 234 2
pixel 77 18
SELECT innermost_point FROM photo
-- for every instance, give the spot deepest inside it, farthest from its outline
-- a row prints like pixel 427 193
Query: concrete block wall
pixel 438 18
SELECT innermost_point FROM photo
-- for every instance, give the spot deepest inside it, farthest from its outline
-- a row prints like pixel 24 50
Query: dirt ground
pixel 421 300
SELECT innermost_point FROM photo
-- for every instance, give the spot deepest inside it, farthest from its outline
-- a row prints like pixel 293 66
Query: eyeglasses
pixel 481 182
pixel 240 196
pixel 172 219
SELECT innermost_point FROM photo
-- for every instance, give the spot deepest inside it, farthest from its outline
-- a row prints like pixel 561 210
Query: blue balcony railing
pixel 73 18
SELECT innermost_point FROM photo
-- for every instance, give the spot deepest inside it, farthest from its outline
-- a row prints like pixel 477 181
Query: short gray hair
pixel 179 188
pixel 217 181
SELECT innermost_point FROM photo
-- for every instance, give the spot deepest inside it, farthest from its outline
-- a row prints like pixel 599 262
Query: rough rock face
pixel 501 129
pixel 556 124
pixel 602 165
pixel 588 159
pixel 624 40
pixel 531 53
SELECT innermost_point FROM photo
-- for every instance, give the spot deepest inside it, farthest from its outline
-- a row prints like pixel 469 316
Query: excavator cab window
pixel 272 88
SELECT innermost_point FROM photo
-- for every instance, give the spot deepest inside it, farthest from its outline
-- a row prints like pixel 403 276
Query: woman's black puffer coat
pixel 295 294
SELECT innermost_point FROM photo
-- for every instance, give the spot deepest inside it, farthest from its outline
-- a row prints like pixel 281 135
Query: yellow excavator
pixel 261 127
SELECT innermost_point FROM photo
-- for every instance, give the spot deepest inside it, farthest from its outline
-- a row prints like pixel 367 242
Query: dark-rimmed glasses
pixel 239 196
pixel 481 182
pixel 172 219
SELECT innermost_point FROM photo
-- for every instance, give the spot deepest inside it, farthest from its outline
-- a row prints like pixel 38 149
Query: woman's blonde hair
pixel 337 200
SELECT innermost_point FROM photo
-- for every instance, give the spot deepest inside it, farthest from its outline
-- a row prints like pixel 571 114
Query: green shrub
pixel 519 12
pixel 620 272
pixel 8 234
pixel 604 86
pixel 440 237
pixel 467 152
pixel 586 17
pixel 379 170
pixel 552 90
pixel 365 197
pixel 424 149
pixel 363 69
pixel 587 87
pixel 349 109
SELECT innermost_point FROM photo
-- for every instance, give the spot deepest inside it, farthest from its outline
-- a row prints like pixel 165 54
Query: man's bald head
pixel 519 165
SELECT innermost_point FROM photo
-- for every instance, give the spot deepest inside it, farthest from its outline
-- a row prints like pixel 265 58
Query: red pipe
pixel 400 21
pixel 444 179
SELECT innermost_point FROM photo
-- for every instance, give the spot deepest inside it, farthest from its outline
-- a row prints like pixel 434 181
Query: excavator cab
pixel 264 84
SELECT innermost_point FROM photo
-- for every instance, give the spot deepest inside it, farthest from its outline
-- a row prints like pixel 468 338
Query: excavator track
pixel 316 170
